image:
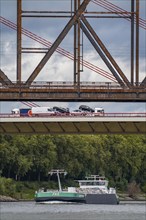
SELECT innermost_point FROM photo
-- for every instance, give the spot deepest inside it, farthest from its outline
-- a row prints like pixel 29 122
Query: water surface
pixel 33 211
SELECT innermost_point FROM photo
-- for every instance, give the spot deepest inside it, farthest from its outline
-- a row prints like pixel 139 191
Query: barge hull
pixel 60 199
pixel 102 199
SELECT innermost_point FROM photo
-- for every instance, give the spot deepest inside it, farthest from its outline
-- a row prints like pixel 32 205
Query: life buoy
pixel 30 113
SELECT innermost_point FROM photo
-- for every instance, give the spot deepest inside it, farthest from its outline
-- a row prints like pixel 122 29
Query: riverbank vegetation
pixel 26 160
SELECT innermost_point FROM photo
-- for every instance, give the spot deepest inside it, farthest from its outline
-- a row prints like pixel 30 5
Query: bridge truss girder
pixel 129 90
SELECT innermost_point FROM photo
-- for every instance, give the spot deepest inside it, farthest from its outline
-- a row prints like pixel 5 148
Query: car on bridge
pixel 77 112
pixel 60 111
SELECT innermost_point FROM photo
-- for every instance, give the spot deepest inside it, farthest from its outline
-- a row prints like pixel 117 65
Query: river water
pixel 33 211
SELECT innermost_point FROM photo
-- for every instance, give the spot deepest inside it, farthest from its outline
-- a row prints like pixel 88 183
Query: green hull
pixel 59 196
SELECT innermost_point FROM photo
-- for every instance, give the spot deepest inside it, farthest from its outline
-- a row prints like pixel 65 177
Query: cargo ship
pixel 92 190
pixel 96 191
pixel 59 196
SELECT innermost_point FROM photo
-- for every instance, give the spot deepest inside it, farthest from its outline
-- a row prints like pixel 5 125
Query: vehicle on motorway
pixel 61 110
pixel 77 112
pixel 33 111
pixel 90 111
pixel 15 111
pixel 41 111
pixel 98 112
pixel 57 111
pixel 86 108
pixel 23 112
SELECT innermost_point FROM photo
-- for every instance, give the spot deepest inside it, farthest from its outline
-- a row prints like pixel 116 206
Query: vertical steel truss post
pixel 57 42
pixel 78 74
pixel 137 42
pixel 132 41
pixel 77 43
pixel 19 39
pixel 108 55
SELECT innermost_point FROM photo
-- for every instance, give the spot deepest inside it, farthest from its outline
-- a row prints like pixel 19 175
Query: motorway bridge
pixel 110 123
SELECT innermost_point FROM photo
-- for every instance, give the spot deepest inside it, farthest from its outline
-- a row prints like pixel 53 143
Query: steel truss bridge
pixel 118 87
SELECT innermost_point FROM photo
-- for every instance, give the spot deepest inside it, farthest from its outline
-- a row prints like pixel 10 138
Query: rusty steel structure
pixel 120 89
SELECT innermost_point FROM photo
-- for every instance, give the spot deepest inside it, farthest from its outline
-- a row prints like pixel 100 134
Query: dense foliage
pixel 122 159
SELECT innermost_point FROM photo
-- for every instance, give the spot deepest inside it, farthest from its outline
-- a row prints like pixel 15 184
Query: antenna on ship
pixel 58 177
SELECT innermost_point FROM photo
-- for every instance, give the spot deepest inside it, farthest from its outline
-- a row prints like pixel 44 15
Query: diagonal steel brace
pixel 54 46
pixel 106 52
pixel 4 79
pixel 143 83
pixel 99 51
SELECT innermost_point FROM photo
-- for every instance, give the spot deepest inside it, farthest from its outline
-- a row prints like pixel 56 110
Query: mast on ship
pixel 58 172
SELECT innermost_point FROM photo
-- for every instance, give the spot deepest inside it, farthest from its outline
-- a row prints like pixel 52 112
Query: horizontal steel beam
pixel 63 91
pixel 73 95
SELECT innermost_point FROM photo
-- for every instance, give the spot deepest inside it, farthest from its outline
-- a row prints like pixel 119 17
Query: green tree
pixel 8 156
pixel 43 154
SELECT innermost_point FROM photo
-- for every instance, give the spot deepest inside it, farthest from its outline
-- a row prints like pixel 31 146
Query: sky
pixel 115 34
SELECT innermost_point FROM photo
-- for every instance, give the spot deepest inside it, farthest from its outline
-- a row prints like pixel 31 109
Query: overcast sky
pixel 115 34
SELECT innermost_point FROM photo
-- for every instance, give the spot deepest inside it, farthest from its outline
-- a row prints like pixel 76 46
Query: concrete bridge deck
pixel 73 125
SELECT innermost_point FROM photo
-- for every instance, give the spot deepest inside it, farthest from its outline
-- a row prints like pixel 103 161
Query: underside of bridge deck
pixel 73 126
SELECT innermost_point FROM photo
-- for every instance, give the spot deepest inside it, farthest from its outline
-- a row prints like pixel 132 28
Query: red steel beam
pixel 4 79
pixel 57 42
pixel 120 72
pixel 59 49
pixel 137 43
pixel 19 40
pixel 110 6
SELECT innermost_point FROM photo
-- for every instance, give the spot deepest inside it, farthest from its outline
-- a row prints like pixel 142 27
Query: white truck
pixel 57 111
pixel 41 111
